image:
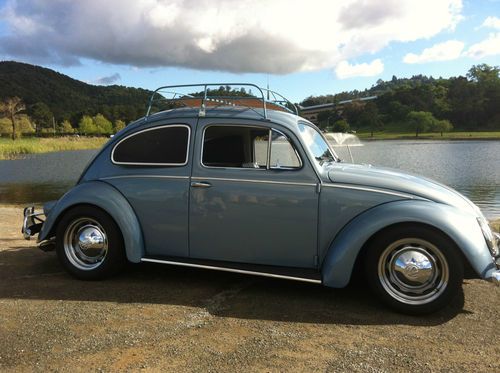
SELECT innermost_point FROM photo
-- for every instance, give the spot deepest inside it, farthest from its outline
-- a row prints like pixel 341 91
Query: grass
pixel 387 135
pixel 13 149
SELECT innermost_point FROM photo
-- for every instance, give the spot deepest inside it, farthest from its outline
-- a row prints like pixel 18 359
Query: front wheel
pixel 414 270
pixel 89 244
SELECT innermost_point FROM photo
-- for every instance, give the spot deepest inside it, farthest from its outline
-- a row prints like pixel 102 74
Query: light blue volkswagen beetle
pixel 243 184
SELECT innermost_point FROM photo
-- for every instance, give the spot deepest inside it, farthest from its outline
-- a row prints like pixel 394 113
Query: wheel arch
pixel 100 195
pixel 347 248
pixel 468 270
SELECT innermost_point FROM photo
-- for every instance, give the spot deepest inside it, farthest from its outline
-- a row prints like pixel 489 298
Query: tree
pixel 42 116
pixel 118 125
pixel 324 118
pixel 66 127
pixel 483 73
pixel 11 108
pixel 103 125
pixel 86 126
pixel 341 126
pixel 370 118
pixel 420 121
pixel 441 126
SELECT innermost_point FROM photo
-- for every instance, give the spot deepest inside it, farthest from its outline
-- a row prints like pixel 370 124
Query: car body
pixel 258 190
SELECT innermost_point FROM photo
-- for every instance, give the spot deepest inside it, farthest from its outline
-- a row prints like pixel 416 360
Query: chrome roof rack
pixel 204 97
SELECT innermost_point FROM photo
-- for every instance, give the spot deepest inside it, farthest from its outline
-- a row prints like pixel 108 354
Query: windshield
pixel 316 144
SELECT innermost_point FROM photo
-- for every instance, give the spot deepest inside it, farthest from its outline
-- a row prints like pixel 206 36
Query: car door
pixel 252 200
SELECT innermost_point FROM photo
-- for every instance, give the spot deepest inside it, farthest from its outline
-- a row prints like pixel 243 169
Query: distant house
pixel 311 112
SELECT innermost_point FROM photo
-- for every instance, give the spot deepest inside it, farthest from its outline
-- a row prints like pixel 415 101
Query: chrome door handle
pixel 200 184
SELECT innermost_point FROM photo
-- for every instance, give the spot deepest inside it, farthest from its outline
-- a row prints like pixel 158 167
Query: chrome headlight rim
pixel 491 238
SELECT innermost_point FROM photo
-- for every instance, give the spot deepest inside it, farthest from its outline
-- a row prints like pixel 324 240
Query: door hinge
pixel 318 188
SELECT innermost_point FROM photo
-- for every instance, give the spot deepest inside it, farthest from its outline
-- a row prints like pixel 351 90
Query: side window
pixel 159 146
pixel 248 147
pixel 231 146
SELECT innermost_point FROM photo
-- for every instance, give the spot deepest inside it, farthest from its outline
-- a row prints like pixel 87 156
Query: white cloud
pixel 487 47
pixel 449 50
pixel 346 70
pixel 492 22
pixel 230 35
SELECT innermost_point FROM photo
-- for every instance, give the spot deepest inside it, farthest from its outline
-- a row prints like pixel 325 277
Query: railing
pixel 171 97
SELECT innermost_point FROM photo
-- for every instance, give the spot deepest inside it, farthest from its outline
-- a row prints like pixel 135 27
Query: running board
pixel 234 270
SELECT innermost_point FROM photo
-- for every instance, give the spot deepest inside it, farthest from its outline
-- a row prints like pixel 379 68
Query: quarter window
pixel 159 146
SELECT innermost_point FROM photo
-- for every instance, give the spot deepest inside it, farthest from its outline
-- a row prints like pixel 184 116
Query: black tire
pixel 414 269
pixel 89 244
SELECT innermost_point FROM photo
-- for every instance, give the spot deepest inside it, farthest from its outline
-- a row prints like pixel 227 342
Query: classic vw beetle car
pixel 243 184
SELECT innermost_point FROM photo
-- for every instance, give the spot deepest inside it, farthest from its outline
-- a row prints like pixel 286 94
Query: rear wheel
pixel 414 270
pixel 89 244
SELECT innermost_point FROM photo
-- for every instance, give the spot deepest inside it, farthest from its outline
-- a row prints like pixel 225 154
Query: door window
pixel 248 147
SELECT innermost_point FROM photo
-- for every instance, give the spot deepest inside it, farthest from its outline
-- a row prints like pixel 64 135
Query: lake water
pixel 471 167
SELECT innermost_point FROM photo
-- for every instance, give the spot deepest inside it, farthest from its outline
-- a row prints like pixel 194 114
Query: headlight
pixel 491 239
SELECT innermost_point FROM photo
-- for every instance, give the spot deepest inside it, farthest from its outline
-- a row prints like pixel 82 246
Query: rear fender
pixel 461 227
pixel 106 197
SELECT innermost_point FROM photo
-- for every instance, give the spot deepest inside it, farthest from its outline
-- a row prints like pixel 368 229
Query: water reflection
pixel 32 193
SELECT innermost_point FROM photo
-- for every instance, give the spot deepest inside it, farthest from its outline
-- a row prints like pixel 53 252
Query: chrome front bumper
pixel 494 277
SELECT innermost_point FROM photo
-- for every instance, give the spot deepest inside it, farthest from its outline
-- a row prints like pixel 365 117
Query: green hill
pixel 68 98
pixel 466 103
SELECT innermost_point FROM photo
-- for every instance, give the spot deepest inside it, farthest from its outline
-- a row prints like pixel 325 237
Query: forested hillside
pixel 419 103
pixel 469 103
pixel 47 93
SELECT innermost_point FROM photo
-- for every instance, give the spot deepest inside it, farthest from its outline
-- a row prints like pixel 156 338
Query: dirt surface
pixel 157 317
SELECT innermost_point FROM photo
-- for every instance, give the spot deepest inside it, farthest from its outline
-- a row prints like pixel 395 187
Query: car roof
pixel 285 119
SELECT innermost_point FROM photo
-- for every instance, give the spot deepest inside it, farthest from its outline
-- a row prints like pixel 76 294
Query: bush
pixel 341 126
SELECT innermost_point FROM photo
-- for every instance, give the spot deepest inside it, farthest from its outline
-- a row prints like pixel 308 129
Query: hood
pixel 389 179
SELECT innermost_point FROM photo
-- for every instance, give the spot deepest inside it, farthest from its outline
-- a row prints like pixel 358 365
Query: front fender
pixel 106 197
pixel 460 226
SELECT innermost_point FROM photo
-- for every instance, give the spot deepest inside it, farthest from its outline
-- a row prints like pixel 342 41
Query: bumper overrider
pixel 495 275
pixel 32 225
pixel 493 242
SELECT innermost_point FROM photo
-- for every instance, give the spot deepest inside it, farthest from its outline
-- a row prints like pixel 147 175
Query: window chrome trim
pixel 149 163
pixel 227 269
pixel 369 189
pixel 253 181
pixel 268 167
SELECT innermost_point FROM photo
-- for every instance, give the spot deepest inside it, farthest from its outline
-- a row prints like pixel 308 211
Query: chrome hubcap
pixel 413 271
pixel 85 243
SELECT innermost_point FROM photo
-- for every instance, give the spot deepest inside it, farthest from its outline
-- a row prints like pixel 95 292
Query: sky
pixel 300 48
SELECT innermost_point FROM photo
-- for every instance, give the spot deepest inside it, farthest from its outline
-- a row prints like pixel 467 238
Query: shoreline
pixel 450 136
pixel 15 149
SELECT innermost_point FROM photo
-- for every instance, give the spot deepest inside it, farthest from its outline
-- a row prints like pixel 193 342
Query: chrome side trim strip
pixel 367 189
pixel 225 269
pixel 253 181
pixel 143 176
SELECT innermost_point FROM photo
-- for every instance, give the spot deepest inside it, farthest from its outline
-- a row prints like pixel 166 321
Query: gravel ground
pixel 157 317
